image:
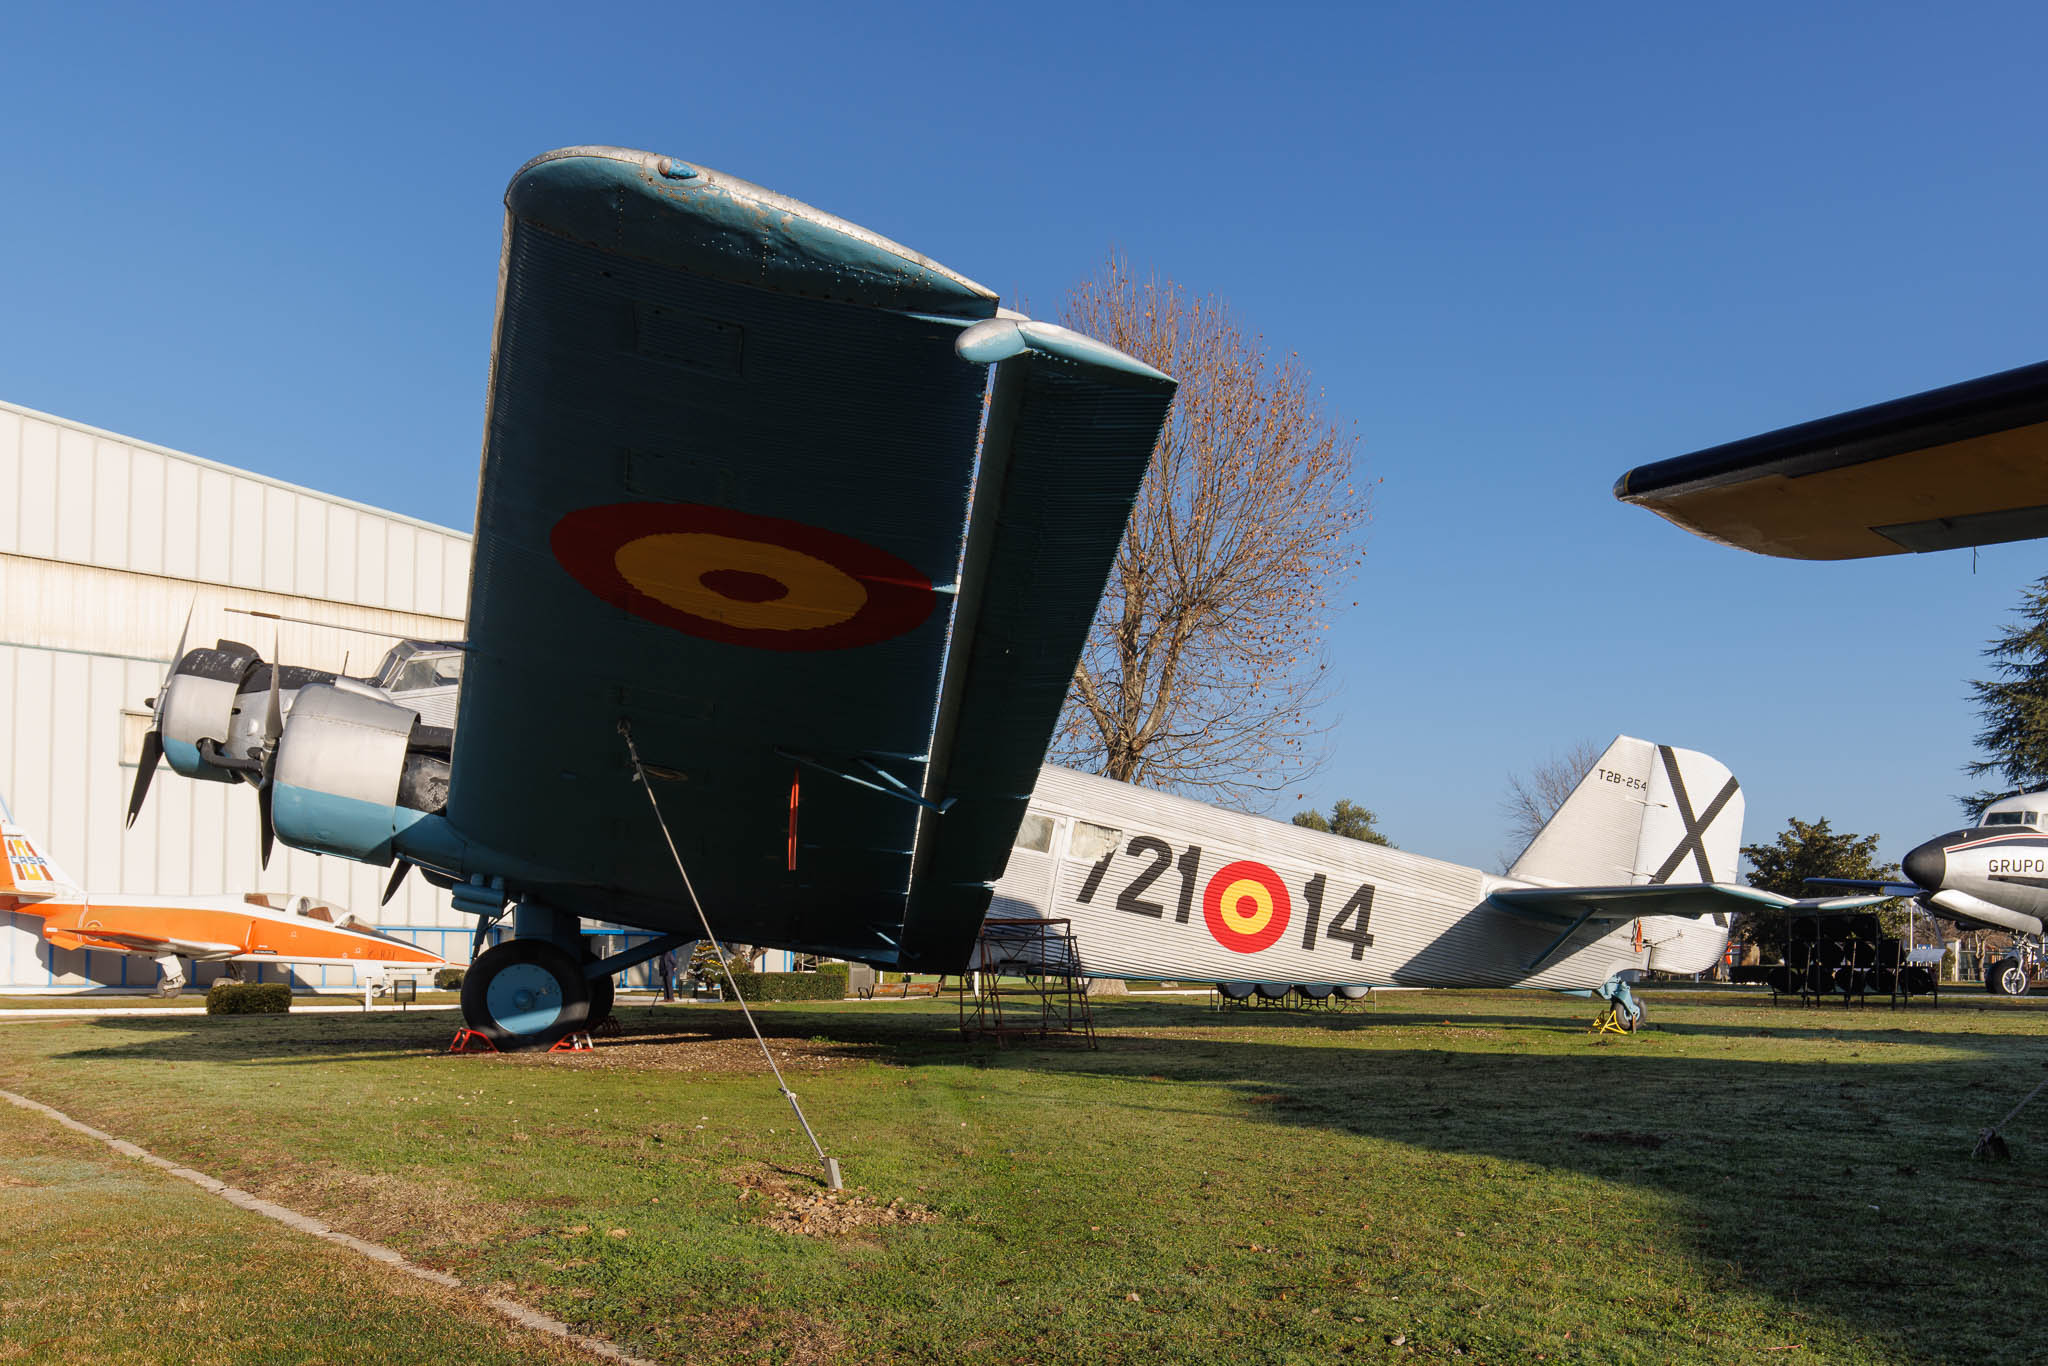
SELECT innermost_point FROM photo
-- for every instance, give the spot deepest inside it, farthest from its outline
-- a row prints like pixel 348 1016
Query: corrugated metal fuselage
pixel 1158 886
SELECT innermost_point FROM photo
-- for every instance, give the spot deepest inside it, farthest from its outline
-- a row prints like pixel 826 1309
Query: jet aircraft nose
pixel 1927 865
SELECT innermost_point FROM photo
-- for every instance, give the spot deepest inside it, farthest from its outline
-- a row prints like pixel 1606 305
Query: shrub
pixel 448 979
pixel 828 983
pixel 248 998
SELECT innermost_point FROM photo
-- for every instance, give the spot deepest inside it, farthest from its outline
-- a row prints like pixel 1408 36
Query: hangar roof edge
pixel 90 430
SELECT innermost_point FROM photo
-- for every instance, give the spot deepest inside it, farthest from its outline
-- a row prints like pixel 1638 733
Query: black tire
pixel 601 991
pixel 1995 975
pixel 540 995
pixel 2012 975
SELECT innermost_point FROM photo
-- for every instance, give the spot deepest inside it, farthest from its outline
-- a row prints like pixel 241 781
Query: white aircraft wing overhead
pixel 142 943
pixel 1961 465
pixel 1606 905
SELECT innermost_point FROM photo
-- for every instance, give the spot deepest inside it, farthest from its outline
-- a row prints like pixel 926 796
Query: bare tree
pixel 1531 801
pixel 1206 659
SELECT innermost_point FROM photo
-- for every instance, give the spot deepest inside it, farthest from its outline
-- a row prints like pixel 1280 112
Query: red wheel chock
pixel 607 1028
pixel 578 1042
pixel 470 1041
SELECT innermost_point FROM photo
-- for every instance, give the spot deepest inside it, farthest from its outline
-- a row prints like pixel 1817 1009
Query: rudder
pixel 26 876
pixel 1643 813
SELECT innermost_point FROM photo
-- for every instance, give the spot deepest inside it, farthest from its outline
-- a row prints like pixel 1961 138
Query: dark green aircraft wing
pixel 729 497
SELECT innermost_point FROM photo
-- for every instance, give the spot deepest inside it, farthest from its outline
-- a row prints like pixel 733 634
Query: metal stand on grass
pixel 1044 993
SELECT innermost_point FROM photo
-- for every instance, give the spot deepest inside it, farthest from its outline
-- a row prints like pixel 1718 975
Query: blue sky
pixel 1522 248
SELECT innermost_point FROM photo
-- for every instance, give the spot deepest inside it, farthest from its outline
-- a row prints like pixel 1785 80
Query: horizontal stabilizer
pixel 1867 885
pixel 1607 905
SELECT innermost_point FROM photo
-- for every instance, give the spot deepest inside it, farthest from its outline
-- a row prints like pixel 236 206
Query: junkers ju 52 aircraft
pixel 259 927
pixel 799 528
pixel 1620 881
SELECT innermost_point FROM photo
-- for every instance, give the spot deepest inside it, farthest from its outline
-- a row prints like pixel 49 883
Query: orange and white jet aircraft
pixel 260 927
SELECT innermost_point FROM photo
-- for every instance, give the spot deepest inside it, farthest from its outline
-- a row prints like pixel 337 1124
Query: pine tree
pixel 1346 818
pixel 2014 705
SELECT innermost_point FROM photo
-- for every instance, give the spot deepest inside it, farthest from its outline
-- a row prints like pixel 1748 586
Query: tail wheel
pixel 525 993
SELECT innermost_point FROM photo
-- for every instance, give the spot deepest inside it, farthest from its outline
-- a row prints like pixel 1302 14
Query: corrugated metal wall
pixel 105 544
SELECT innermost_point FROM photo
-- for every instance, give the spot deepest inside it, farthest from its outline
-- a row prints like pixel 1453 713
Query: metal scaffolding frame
pixel 1026 981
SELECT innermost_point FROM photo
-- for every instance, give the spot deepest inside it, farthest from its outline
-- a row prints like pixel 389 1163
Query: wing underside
pixel 125 942
pixel 1959 466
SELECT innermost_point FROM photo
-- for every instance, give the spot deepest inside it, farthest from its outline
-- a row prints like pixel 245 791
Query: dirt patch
pixel 695 1051
pixel 779 1336
pixel 384 1207
pixel 817 1213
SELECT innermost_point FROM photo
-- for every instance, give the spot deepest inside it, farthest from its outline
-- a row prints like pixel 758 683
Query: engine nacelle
pixel 198 703
pixel 352 771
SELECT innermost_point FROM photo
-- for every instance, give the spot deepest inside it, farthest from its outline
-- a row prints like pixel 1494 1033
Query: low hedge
pixel 248 998
pixel 448 979
pixel 828 983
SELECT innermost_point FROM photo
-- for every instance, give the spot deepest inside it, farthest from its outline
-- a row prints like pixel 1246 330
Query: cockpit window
pixel 2013 818
pixel 428 671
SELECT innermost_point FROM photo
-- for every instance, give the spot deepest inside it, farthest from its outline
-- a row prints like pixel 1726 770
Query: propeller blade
pixel 263 813
pixel 273 715
pixel 152 750
pixel 186 633
pixel 397 877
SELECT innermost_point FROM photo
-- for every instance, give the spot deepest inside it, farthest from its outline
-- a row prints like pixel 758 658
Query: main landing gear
pixel 1624 1013
pixel 528 993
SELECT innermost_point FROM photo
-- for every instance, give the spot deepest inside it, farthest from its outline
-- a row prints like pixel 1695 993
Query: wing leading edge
pixel 1958 466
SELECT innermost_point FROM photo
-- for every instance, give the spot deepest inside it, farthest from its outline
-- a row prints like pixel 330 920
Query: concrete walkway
pixel 511 1309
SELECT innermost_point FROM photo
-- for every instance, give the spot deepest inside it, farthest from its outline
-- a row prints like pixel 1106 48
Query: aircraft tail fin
pixel 26 875
pixel 1643 813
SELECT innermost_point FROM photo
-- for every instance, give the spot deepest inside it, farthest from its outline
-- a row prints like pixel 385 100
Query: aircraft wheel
pixel 1995 976
pixel 525 993
pixel 2012 978
pixel 601 990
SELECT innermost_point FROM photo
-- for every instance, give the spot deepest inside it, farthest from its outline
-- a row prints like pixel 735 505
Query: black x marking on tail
pixel 1695 830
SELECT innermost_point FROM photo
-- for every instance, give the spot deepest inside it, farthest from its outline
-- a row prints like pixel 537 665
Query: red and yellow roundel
pixel 1245 906
pixel 744 580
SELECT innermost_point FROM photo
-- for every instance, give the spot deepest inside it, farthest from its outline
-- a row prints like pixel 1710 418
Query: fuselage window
pixel 1091 842
pixel 1035 834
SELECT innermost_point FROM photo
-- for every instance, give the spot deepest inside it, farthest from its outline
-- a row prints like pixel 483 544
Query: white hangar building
pixel 105 543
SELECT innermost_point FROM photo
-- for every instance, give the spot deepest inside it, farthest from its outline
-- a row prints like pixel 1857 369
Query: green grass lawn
pixel 1440 1176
